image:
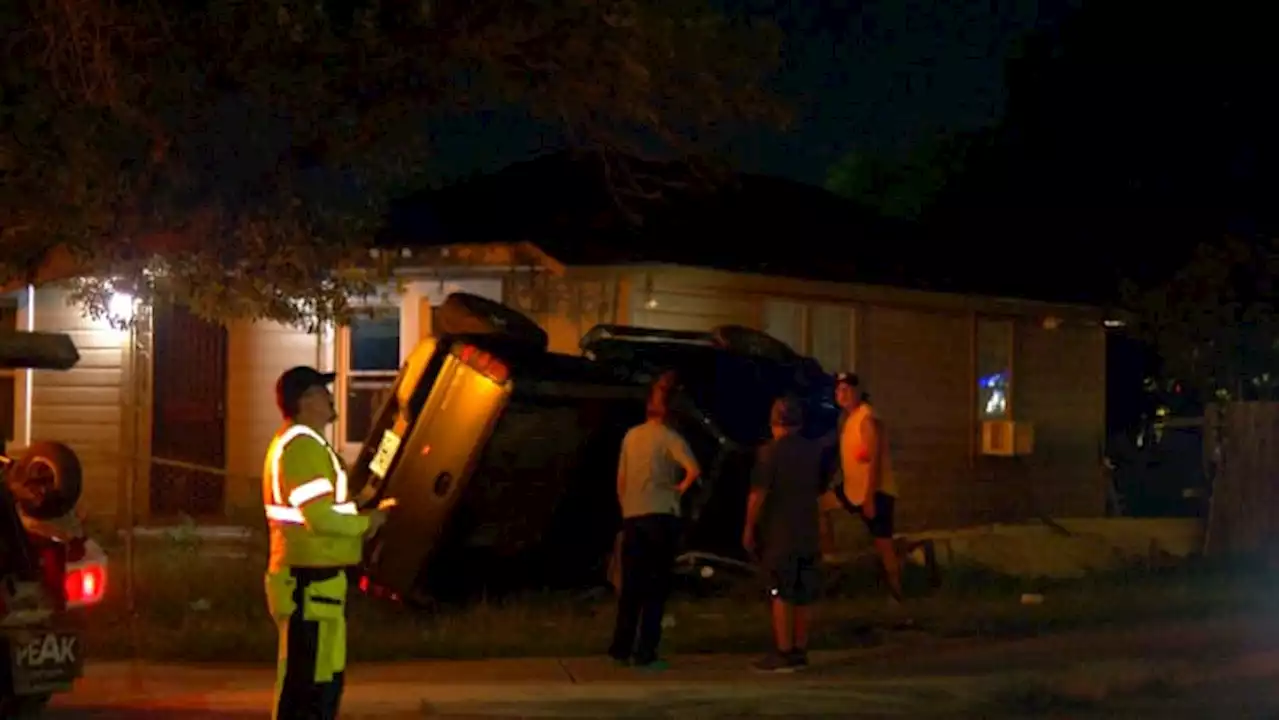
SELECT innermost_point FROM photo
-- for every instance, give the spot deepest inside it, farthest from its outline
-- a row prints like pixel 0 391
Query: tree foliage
pixel 238 156
pixel 1214 322
pixel 906 188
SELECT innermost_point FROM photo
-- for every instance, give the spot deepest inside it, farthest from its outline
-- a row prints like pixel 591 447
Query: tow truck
pixel 502 456
pixel 50 570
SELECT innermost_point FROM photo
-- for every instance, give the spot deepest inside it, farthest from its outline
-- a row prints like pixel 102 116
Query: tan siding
pixel 82 406
pixel 749 284
pixel 832 333
pixel 84 395
pixel 785 321
pixel 683 307
pixel 566 308
pixel 917 372
pixel 257 352
pixel 1060 386
pixel 77 377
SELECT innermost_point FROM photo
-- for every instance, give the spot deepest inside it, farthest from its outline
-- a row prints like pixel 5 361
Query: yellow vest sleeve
pixel 307 482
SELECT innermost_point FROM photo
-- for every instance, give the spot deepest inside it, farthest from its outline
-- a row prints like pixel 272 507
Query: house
pixel 174 417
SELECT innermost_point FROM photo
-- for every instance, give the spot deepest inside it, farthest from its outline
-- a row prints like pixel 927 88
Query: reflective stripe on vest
pixel 309 491
pixel 293 515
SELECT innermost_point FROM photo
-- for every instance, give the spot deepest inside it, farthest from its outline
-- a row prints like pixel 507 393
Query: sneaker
pixel 776 662
pixel 799 658
pixel 620 661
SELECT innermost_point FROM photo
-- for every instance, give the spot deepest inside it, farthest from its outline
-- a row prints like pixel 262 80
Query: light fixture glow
pixel 120 307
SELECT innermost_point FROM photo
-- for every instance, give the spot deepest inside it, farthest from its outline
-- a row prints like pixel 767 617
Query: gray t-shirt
pixel 651 466
pixel 793 471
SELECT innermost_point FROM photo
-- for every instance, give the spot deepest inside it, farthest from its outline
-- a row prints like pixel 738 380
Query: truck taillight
pixel 85 585
pixel 374 590
pixel 487 364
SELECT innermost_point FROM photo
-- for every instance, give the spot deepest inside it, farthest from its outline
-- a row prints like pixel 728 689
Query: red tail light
pixel 85 585
pixel 487 364
pixel 374 590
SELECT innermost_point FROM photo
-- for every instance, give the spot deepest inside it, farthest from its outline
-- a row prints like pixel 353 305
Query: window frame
pixel 350 379
pixel 979 372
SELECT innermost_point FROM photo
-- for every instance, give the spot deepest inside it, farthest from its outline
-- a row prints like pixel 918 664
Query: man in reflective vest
pixel 316 533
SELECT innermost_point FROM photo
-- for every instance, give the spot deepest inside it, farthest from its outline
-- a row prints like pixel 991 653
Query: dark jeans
pixel 648 552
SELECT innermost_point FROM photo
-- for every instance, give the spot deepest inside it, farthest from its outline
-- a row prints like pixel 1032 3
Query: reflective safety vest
pixel 312 521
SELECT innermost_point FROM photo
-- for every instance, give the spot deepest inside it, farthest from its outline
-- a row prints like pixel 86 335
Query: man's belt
pixel 315 574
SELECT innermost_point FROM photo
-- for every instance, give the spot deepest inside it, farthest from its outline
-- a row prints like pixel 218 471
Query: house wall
pixel 1060 377
pixel 84 407
pixel 257 352
pixel 566 307
pixel 917 355
pixel 916 366
pixel 916 352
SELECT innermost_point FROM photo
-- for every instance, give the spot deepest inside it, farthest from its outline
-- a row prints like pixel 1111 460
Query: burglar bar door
pixel 188 428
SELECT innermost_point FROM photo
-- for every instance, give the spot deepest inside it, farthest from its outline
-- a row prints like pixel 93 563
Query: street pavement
pixel 911 675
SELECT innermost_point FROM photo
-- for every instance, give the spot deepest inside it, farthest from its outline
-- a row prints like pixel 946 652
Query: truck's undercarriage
pixel 503 456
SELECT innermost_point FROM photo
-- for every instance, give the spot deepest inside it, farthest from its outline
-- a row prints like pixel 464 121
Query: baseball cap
pixel 295 382
pixel 786 412
pixel 847 378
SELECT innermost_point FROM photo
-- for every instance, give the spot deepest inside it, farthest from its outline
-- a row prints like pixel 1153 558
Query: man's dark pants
pixel 796 577
pixel 301 697
pixel 648 552
pixel 880 526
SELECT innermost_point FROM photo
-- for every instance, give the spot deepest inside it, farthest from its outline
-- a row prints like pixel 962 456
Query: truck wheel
pixel 24 707
pixel 46 481
pixel 467 314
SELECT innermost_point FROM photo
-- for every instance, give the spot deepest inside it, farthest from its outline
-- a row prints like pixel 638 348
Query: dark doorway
pixel 188 428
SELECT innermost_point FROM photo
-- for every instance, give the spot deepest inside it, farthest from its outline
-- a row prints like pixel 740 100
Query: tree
pixel 237 157
pixel 908 188
pixel 1214 322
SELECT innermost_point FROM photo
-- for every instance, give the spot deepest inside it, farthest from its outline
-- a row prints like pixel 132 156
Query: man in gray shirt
pixel 781 529
pixel 655 468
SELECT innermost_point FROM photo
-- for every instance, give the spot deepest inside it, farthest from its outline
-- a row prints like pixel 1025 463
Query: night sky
pixel 872 76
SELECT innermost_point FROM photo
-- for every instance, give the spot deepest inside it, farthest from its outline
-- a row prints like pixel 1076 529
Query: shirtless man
pixel 868 487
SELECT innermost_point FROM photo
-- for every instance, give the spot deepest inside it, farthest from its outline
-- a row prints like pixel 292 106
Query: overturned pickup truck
pixel 502 456
pixel 51 572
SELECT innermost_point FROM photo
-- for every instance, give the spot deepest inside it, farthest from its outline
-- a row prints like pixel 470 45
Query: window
pixel 831 337
pixel 8 378
pixel 995 369
pixel 372 362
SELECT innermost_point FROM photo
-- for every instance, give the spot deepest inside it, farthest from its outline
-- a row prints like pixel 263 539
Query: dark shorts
pixel 796 579
pixel 881 526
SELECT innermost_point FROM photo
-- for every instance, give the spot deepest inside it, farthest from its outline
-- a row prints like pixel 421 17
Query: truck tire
pixel 467 314
pixel 46 481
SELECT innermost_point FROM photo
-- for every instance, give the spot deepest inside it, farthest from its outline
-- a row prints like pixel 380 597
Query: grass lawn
pixel 194 604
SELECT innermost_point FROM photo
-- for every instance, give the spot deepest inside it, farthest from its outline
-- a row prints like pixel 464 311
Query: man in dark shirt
pixel 781 529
